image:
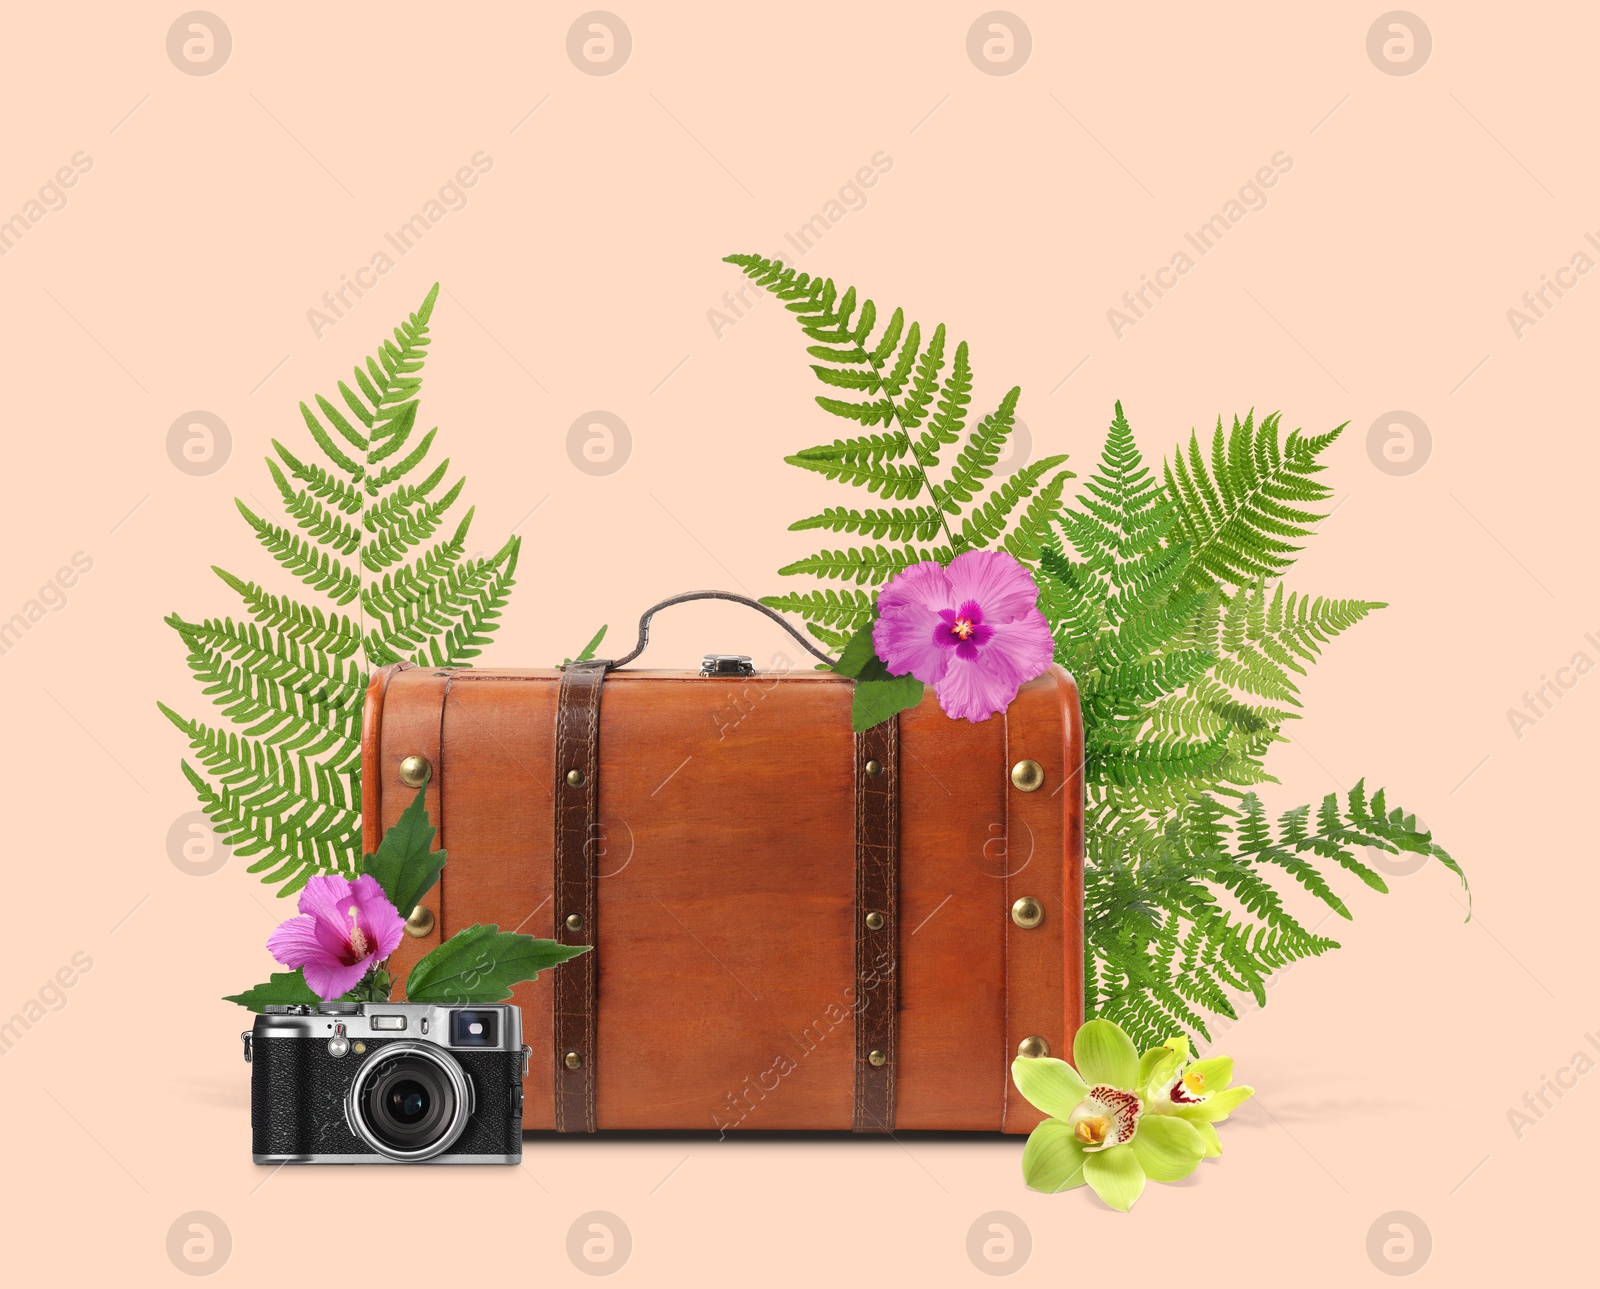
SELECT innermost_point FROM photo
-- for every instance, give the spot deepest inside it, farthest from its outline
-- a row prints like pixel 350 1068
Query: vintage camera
pixel 373 1083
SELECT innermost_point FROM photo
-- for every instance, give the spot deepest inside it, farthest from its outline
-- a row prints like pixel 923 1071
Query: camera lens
pixel 410 1102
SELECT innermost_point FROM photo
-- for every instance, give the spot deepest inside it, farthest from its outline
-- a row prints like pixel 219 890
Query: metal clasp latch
pixel 246 1036
pixel 727 664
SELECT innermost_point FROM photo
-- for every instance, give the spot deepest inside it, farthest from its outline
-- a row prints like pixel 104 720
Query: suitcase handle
pixel 644 623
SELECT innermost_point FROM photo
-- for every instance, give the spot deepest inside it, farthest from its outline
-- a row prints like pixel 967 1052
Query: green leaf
pixel 284 987
pixel 876 700
pixel 859 654
pixel 406 865
pixel 481 963
pixel 878 695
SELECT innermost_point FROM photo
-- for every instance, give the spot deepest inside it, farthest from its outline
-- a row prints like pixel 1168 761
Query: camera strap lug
pixel 527 1055
pixel 246 1037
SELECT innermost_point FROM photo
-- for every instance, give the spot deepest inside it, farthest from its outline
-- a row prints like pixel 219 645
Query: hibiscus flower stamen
pixel 358 941
pixel 962 627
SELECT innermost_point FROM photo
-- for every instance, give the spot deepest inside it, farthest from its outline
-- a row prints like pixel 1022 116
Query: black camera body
pixel 374 1083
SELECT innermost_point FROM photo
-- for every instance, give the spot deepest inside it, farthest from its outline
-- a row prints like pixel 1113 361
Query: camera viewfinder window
pixel 474 1029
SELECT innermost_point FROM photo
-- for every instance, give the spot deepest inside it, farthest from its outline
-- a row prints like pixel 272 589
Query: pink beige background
pixel 1370 284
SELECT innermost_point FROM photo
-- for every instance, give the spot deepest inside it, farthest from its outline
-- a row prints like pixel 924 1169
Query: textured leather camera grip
pixel 297 1100
pixel 577 790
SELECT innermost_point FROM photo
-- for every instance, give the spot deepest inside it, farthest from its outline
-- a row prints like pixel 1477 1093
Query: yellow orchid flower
pixel 1100 1132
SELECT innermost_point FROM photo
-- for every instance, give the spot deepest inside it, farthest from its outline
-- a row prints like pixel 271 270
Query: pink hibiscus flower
pixel 347 928
pixel 973 631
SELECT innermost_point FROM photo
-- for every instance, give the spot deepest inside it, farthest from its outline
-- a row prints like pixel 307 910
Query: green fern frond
pixel 1149 892
pixel 863 447
pixel 312 565
pixel 282 780
pixel 480 619
pixel 329 633
pixel 950 412
pixel 326 678
pixel 1244 511
pixel 289 848
pixel 985 523
pixel 1185 686
pixel 845 610
pixel 1163 594
pixel 920 523
pixel 891 482
pixel 322 483
pixel 1034 530
pixel 587 652
pixel 409 521
pixel 318 521
pixel 888 376
pixel 867 564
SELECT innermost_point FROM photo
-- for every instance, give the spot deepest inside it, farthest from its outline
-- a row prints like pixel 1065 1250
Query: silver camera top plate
pixel 499 1025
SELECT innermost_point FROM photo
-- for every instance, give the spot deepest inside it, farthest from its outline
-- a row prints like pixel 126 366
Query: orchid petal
pixel 1168 1149
pixel 1052 1161
pixel 1104 1054
pixel 1157 1067
pixel 1217 1107
pixel 1116 1176
pixel 1048 1084
pixel 1212 1075
pixel 1208 1134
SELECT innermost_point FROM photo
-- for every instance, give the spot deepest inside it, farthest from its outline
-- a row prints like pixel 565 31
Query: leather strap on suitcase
pixel 577 790
pixel 877 923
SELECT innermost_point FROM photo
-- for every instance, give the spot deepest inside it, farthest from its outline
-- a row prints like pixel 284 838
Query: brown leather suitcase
pixel 794 926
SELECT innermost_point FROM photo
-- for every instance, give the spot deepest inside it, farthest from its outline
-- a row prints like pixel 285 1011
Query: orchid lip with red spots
pixel 1107 1117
